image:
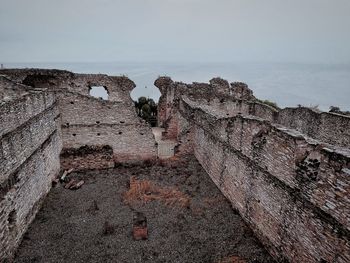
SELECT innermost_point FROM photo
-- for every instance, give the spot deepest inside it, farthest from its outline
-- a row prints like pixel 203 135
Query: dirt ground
pixel 188 219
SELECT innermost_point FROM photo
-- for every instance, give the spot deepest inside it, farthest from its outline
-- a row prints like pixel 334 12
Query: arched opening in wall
pixel 147 90
pixel 146 103
pixel 99 92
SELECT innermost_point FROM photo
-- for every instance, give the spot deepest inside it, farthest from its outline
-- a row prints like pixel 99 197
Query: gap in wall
pixel 99 92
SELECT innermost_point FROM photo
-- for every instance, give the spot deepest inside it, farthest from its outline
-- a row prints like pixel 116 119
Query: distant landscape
pixel 287 84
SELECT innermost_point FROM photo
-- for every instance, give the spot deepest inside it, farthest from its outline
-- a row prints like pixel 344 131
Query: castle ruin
pixel 286 171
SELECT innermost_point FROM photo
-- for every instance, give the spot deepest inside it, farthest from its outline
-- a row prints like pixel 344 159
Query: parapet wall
pixel 290 188
pixel 30 144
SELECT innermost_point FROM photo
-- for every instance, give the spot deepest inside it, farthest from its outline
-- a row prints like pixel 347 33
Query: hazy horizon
pixel 291 52
pixel 313 31
pixel 287 84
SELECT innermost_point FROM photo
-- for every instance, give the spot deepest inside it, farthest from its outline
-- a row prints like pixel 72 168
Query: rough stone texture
pixel 87 158
pixel 90 121
pixel 285 171
pixel 43 110
pixel 30 144
pixel 241 91
pixel 290 182
pixel 331 128
pixel 94 223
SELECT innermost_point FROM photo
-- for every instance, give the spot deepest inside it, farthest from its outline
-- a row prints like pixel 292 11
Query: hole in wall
pixel 99 92
pixel 147 109
pixel 98 134
pixel 12 218
pixel 120 133
pixel 74 134
pixel 97 122
pixel 72 102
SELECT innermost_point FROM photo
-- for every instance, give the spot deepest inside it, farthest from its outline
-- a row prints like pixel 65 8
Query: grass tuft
pixel 146 191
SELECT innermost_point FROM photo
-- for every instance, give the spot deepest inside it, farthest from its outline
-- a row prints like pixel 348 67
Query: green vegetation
pixel 146 108
pixel 337 110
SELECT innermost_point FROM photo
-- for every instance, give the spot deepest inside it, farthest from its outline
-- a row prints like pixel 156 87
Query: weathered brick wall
pixel 327 127
pixel 292 190
pixel 30 144
pixel 167 107
pixel 185 136
pixel 42 111
pixel 88 121
pixel 119 137
pixel 293 193
pixel 286 188
pixel 223 100
pixel 87 158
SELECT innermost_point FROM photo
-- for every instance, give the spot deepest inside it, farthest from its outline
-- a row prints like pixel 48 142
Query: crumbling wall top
pixel 241 91
pixel 162 83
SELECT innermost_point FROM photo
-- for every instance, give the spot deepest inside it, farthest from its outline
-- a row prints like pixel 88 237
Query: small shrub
pixel 337 110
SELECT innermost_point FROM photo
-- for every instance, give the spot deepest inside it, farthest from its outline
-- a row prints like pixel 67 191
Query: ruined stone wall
pixel 291 189
pixel 285 171
pixel 292 192
pixel 43 111
pixel 327 127
pixel 89 121
pixel 30 144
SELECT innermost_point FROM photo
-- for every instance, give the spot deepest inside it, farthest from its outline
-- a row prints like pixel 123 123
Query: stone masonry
pixel 286 171
pixel 30 144
pixel 45 111
pixel 86 120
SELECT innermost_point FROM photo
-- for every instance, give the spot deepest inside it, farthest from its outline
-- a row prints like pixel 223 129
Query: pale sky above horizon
pixel 307 31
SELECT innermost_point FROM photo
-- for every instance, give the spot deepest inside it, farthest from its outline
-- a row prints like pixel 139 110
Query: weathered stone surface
pixel 43 110
pixel 285 171
pixel 90 121
pixel 291 189
pixel 30 144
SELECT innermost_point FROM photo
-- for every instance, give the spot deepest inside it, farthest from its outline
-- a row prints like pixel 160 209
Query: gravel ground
pixel 71 226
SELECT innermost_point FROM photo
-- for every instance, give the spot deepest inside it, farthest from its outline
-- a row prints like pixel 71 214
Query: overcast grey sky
pixel 175 30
